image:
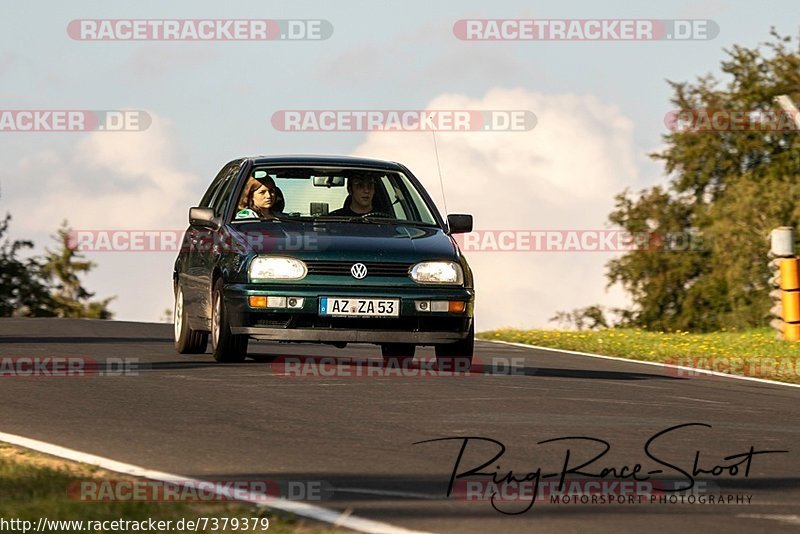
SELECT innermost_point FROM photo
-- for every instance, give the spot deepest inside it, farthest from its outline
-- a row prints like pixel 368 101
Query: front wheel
pixel 187 340
pixel 456 356
pixel 225 346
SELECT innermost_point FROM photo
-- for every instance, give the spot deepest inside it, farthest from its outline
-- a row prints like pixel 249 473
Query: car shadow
pixel 82 339
pixel 367 367
pixel 363 366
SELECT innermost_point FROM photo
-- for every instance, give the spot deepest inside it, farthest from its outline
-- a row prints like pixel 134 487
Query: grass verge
pixel 34 485
pixel 755 353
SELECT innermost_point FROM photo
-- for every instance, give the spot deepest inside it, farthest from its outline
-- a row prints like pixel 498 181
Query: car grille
pixel 400 324
pixel 342 268
pixel 273 320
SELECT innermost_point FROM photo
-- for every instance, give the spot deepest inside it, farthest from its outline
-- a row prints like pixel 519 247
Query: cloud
pixel 114 179
pixel 478 64
pixel 562 175
pixel 6 60
pixel 448 60
pixel 704 9
pixel 154 61
pixel 106 181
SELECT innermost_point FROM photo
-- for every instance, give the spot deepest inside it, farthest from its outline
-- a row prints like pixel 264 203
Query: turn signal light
pixel 457 306
pixel 440 306
pixel 258 301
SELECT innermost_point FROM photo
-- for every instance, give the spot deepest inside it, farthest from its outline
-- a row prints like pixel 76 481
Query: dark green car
pixel 322 249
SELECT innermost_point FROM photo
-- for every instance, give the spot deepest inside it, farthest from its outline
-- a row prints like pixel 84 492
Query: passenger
pixel 260 199
pixel 361 191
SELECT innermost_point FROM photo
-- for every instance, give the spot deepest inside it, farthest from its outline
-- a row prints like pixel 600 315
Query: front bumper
pixel 306 325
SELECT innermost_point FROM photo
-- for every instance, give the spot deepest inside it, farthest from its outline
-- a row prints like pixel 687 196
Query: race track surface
pixel 354 436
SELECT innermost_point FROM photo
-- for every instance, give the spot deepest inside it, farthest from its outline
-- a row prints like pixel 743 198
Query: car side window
pixel 224 192
pixel 396 199
pixel 214 187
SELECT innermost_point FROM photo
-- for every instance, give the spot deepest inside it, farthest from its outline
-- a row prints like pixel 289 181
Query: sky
pixel 600 108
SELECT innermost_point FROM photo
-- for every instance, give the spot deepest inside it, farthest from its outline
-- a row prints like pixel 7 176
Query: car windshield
pixel 332 194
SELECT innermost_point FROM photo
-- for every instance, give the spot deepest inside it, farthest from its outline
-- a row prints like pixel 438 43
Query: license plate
pixel 354 307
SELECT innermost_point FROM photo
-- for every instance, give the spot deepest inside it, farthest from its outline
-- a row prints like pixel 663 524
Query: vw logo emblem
pixel 358 270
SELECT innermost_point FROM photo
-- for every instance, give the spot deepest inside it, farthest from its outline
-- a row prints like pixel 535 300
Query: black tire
pixel 226 347
pixel 399 353
pixel 187 340
pixel 456 357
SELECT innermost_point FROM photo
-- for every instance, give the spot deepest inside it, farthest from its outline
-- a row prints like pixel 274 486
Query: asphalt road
pixel 354 436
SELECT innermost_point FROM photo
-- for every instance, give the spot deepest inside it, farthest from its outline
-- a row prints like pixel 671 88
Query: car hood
pixel 346 241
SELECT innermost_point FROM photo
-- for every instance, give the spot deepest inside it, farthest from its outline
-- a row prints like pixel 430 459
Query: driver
pixel 361 190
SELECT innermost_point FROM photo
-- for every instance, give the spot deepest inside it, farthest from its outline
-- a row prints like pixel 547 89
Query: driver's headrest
pixel 280 202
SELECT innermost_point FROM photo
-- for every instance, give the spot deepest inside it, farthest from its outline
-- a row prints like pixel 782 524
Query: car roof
pixel 325 159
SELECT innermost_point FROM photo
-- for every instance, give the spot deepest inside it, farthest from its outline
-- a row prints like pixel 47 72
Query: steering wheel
pixel 377 214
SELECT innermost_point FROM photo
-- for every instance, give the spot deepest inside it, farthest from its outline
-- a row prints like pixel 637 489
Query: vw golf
pixel 322 249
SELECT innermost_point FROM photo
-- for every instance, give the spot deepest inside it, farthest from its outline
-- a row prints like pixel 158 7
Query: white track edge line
pixel 387 493
pixel 309 511
pixel 658 364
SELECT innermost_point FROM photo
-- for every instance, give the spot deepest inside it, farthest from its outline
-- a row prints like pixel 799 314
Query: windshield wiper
pixel 285 217
pixel 349 219
pixel 340 219
pixel 419 223
pixel 372 219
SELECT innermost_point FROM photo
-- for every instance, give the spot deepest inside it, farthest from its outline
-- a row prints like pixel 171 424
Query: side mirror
pixel 203 217
pixel 459 223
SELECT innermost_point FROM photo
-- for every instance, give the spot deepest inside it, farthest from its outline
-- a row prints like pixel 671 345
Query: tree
pixel 166 317
pixel 63 267
pixel 729 188
pixel 23 290
pixel 588 318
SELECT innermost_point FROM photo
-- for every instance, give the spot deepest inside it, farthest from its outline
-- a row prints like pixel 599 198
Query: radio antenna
pixel 439 168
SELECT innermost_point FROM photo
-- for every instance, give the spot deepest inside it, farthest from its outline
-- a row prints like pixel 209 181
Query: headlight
pixel 437 272
pixel 274 268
